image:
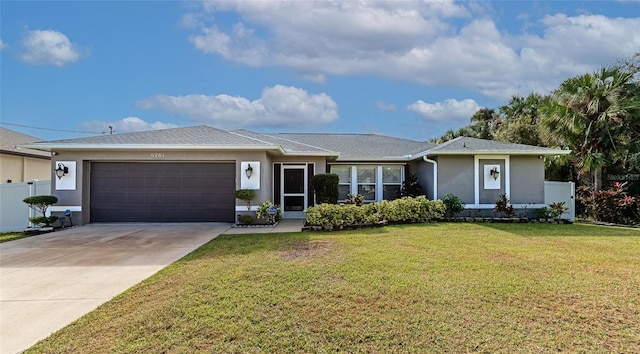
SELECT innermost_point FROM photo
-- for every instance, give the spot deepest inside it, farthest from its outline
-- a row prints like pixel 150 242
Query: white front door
pixel 294 190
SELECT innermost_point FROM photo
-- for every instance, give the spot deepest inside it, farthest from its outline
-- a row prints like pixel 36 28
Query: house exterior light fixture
pixel 62 170
pixel 249 171
pixel 494 173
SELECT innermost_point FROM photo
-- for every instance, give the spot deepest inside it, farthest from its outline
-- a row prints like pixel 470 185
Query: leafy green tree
pixel 519 120
pixel 482 125
pixel 596 115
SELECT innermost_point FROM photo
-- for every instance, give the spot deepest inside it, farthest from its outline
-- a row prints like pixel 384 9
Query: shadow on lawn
pixel 561 230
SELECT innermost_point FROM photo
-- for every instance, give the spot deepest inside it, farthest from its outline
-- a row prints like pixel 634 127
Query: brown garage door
pixel 162 192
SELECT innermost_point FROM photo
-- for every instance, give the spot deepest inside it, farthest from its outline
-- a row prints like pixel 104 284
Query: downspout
pixel 435 175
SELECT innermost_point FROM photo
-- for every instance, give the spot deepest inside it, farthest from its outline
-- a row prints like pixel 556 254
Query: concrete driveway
pixel 48 281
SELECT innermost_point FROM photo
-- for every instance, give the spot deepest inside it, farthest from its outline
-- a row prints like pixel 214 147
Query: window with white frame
pixel 373 182
pixel 391 182
pixel 367 182
pixel 344 175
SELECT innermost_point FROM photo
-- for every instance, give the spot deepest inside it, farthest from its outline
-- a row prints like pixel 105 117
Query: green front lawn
pixel 10 236
pixel 422 288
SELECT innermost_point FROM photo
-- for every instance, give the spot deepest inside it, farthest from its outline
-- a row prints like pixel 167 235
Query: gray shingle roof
pixel 10 138
pixel 362 147
pixel 288 145
pixel 469 146
pixel 347 147
pixel 201 135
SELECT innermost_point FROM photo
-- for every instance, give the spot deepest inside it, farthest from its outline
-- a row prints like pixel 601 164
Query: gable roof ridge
pixel 447 143
pixel 297 142
pixel 250 137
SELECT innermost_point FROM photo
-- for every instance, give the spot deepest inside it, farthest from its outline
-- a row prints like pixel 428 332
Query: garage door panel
pixel 136 182
pixel 136 198
pixel 162 192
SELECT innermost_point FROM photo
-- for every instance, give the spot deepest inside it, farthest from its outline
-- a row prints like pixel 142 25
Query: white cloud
pixel 279 106
pixel 48 47
pixel 124 125
pixel 3 45
pixel 385 106
pixel 448 111
pixel 440 43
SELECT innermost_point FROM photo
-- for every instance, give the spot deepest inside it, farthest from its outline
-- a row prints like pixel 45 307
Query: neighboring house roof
pixel 343 147
pixel 473 146
pixel 10 138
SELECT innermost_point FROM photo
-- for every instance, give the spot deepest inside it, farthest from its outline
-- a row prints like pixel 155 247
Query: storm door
pixel 294 190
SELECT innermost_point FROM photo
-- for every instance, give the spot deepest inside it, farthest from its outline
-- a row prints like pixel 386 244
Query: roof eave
pixel 374 159
pixel 498 152
pixel 123 147
pixel 49 147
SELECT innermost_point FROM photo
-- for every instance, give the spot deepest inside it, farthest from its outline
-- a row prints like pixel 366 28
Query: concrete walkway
pixel 50 280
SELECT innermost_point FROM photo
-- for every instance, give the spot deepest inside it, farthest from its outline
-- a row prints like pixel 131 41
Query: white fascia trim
pixel 155 147
pixel 315 153
pixel 372 163
pixel 493 152
pixel 48 147
pixel 356 159
pixel 476 174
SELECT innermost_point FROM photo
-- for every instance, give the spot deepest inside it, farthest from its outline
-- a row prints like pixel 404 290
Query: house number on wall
pixel 157 154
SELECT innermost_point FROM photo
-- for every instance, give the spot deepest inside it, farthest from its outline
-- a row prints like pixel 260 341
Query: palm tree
pixel 483 123
pixel 520 120
pixel 591 114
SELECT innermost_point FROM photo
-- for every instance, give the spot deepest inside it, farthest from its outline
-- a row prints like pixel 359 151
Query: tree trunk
pixel 597 179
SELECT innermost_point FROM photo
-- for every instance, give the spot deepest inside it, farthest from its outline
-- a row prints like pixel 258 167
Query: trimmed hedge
pixel 410 210
pixel 399 211
pixel 326 187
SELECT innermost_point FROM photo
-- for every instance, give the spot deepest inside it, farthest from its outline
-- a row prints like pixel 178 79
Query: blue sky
pixel 409 69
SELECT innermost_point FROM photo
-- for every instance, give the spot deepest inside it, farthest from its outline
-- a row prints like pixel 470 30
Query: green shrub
pixel 404 210
pixel 41 203
pixel 245 219
pixel 411 187
pixel 544 213
pixel 504 207
pixel 613 205
pixel 356 199
pixel 453 204
pixel 326 187
pixel 557 209
pixel 263 211
pixel 332 216
pixel 247 195
pixel 410 210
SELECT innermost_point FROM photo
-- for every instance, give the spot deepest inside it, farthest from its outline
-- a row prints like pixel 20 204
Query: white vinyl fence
pixel 561 192
pixel 14 213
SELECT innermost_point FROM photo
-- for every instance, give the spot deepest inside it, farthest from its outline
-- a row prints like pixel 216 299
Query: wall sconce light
pixel 494 173
pixel 62 170
pixel 249 171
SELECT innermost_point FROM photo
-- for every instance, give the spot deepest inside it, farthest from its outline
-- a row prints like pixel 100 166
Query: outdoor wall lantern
pixel 494 173
pixel 249 171
pixel 62 170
